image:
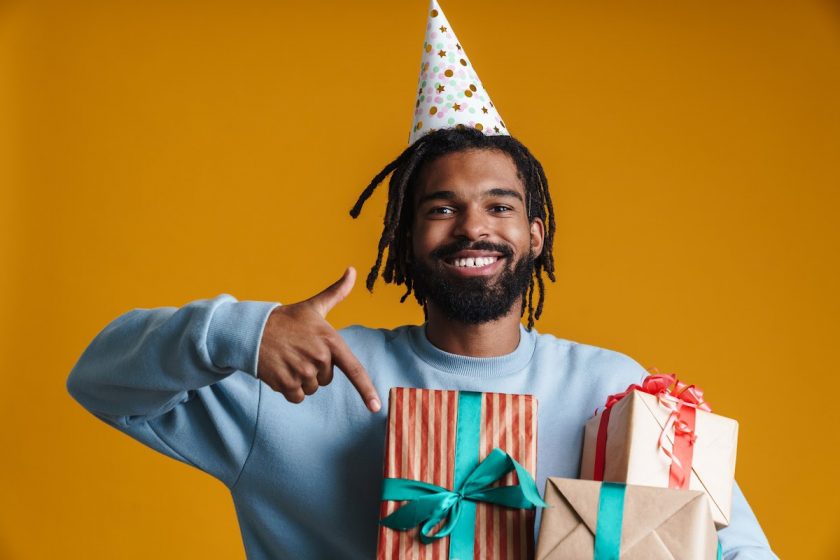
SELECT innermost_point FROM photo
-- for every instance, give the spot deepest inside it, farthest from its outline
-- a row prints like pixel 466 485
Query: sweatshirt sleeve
pixel 743 539
pixel 180 380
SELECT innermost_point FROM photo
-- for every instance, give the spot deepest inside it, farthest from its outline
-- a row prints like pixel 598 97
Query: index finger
pixel 355 372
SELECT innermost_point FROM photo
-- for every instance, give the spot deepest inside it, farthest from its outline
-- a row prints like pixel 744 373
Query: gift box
pixel 662 433
pixel 459 470
pixel 605 520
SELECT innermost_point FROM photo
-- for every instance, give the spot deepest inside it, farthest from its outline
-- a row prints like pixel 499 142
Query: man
pixel 237 389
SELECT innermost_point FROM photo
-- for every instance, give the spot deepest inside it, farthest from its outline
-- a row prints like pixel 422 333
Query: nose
pixel 473 224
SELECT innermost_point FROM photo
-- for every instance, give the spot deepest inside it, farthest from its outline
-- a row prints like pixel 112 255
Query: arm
pixel 180 380
pixel 743 539
pixel 183 382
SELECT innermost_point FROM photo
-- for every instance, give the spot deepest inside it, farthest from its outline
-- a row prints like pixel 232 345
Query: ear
pixel 537 236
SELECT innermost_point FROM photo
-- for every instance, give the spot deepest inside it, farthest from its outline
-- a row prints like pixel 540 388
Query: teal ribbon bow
pixel 430 504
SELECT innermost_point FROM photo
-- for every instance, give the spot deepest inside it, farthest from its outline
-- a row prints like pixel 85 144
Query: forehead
pixel 469 173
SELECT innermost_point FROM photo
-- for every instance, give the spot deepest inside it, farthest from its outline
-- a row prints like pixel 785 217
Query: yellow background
pixel 156 152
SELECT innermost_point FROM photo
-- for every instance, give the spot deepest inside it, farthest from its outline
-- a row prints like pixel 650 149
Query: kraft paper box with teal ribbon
pixel 459 476
pixel 609 520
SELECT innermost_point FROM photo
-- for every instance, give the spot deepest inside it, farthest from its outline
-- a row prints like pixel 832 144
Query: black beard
pixel 473 301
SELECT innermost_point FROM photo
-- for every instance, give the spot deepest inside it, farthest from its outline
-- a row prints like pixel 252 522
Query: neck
pixel 495 338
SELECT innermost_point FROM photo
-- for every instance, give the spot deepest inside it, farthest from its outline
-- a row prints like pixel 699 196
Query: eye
pixel 441 210
pixel 501 208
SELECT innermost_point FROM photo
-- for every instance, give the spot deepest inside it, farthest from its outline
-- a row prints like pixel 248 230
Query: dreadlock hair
pixel 399 212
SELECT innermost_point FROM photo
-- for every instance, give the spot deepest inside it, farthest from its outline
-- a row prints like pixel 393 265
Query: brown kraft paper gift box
pixel 632 452
pixel 658 523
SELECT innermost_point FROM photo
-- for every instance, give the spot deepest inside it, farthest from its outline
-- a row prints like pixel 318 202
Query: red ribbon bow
pixel 682 401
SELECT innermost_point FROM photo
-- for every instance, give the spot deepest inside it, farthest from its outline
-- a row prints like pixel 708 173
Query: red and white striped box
pixel 420 445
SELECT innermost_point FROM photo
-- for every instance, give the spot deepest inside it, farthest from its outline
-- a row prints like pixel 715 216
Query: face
pixel 472 244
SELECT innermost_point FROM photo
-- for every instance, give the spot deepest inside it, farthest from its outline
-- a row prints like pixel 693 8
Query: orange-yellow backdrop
pixel 156 152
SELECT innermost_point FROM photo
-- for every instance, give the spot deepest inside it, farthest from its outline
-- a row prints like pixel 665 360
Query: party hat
pixel 449 92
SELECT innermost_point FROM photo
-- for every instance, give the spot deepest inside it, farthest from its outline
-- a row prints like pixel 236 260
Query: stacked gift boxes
pixel 662 433
pixel 657 469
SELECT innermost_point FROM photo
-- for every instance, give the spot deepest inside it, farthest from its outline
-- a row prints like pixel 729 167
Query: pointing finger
pixel 355 372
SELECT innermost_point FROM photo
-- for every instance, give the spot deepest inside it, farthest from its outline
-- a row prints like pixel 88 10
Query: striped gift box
pixel 421 444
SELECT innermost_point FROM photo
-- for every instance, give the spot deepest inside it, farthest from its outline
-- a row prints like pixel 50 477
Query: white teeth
pixel 474 262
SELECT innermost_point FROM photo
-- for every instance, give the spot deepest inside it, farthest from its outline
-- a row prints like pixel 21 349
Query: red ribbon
pixel 682 401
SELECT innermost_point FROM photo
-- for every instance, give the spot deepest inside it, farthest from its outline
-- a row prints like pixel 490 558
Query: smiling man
pixel 235 388
pixel 473 242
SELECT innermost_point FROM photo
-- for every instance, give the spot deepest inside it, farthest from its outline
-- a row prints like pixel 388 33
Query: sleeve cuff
pixel 235 332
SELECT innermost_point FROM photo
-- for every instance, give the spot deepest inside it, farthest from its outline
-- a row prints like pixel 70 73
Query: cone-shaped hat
pixel 449 92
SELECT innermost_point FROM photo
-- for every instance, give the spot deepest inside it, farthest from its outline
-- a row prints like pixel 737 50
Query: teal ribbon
pixel 610 519
pixel 429 504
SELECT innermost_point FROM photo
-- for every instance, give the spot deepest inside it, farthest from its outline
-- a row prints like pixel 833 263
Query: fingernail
pixel 374 405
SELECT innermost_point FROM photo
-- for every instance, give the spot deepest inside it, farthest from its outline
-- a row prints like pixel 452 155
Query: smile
pixel 469 262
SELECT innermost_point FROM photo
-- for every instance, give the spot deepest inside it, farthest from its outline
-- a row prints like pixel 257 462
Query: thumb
pixel 334 294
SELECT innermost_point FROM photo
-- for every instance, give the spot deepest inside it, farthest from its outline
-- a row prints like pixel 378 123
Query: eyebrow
pixel 450 195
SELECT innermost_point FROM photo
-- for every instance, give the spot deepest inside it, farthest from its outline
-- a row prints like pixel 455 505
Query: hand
pixel 299 348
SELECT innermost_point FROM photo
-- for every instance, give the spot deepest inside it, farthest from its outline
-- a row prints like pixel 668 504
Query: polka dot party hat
pixel 449 93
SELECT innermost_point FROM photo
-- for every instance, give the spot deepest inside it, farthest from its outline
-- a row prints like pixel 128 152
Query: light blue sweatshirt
pixel 306 478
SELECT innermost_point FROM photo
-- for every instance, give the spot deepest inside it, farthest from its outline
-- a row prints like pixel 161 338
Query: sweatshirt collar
pixel 497 366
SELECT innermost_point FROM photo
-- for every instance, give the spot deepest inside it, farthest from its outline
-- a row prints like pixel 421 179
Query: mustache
pixel 448 250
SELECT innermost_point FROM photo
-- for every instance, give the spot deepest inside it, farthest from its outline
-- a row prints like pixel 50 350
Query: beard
pixel 476 300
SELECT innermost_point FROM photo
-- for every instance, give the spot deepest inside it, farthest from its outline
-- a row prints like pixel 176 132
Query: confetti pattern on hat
pixel 449 93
